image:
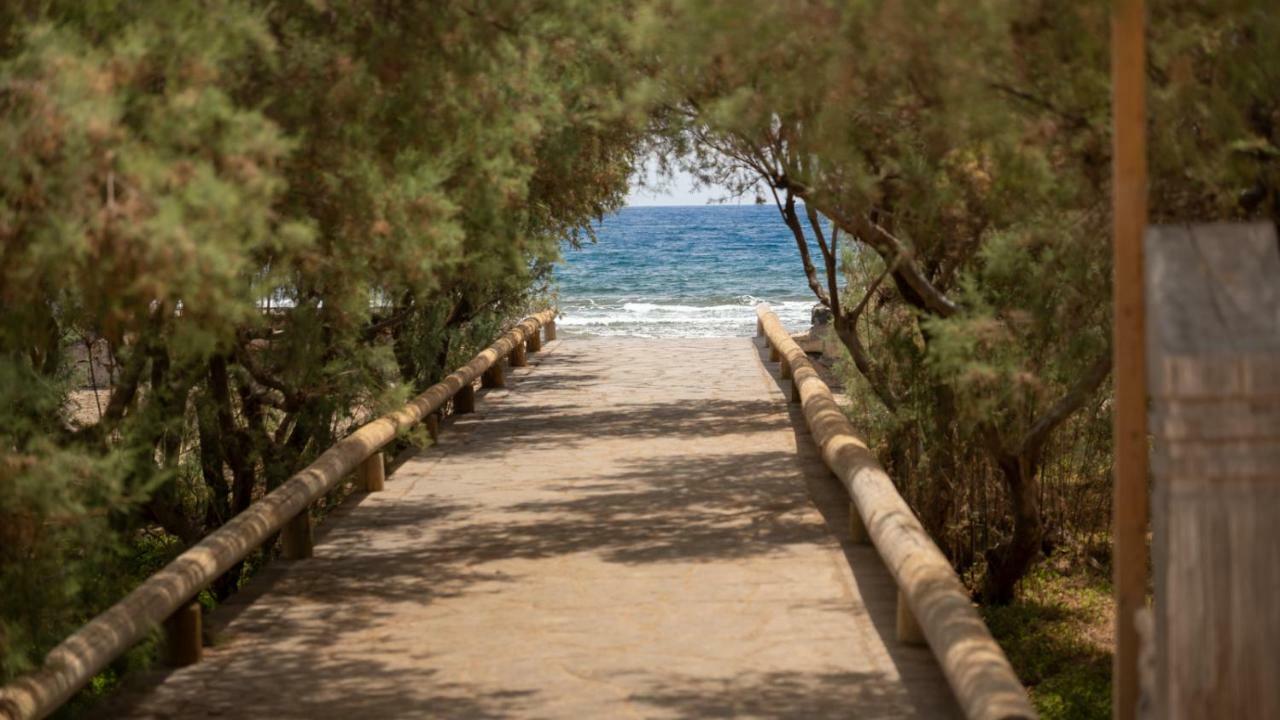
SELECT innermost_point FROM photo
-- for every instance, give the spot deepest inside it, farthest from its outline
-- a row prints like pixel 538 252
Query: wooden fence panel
pixel 1213 334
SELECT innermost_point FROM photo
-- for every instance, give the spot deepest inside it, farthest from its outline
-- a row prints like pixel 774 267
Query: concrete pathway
pixel 633 528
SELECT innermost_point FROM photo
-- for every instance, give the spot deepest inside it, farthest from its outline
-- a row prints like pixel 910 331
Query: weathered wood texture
pixel 87 651
pixel 1213 295
pixel 975 666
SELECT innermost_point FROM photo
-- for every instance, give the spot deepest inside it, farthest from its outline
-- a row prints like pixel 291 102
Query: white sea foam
pixel 646 318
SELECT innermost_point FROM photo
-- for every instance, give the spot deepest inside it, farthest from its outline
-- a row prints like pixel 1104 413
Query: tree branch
pixel 915 288
pixel 828 258
pixel 788 210
pixel 1033 441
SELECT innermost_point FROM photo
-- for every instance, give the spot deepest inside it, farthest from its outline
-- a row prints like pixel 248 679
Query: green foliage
pixel 1057 636
pixel 964 150
pixel 268 221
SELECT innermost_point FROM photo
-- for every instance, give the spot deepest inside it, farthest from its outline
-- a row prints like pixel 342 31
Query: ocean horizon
pixel 683 271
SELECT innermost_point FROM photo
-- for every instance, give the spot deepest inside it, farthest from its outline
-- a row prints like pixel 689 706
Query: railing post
pixel 534 341
pixel 433 426
pixel 464 401
pixel 784 370
pixel 494 377
pixel 774 354
pixel 295 539
pixel 373 473
pixel 909 631
pixel 517 356
pixel 550 330
pixel 857 528
pixel 759 327
pixel 183 645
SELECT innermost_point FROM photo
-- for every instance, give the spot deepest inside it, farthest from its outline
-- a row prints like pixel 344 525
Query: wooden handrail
pixel 976 668
pixel 70 665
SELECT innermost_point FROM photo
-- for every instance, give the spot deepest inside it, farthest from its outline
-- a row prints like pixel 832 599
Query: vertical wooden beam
pixel 433 426
pixel 909 632
pixel 517 356
pixel 760 328
pixel 1129 423
pixel 464 401
pixel 373 473
pixel 295 540
pixel 494 377
pixel 534 341
pixel 857 528
pixel 183 644
pixel 774 354
pixel 784 370
pixel 549 330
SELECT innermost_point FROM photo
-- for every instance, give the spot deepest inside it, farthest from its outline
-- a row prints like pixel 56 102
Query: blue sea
pixel 684 272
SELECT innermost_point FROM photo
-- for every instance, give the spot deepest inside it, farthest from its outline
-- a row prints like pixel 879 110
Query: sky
pixel 679 190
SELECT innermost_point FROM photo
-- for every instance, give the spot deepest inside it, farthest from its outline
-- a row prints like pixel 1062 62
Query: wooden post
pixel 517 356
pixel 464 401
pixel 909 631
pixel 494 376
pixel 857 528
pixel 534 341
pixel 373 473
pixel 433 426
pixel 760 328
pixel 774 354
pixel 795 392
pixel 784 370
pixel 550 330
pixel 1129 418
pixel 295 539
pixel 183 644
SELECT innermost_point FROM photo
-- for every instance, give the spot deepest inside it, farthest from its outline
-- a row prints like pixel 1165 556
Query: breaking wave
pixel 654 318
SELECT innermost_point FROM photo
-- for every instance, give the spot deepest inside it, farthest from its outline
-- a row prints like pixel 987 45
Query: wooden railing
pixel 167 596
pixel 933 605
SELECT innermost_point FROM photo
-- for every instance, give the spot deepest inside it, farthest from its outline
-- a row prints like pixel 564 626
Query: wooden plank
pixel 1129 218
pixel 976 668
pixel 1214 346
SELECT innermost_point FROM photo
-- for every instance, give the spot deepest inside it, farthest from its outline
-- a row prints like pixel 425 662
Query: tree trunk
pixel 235 451
pixel 1009 562
pixel 846 329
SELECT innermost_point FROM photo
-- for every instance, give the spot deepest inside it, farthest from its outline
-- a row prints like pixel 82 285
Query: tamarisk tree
pixel 231 231
pixel 944 169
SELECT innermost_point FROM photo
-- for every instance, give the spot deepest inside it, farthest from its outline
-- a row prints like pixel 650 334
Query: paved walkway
pixel 633 528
